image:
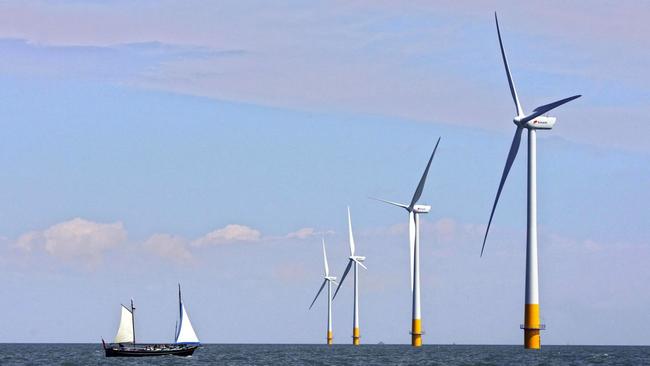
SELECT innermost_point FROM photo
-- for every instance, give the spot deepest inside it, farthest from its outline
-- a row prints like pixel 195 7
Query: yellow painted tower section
pixel 416 333
pixel 531 327
pixel 330 337
pixel 355 336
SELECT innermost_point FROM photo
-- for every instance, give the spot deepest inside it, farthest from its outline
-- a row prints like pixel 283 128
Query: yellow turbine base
pixel 330 337
pixel 416 333
pixel 532 338
pixel 355 336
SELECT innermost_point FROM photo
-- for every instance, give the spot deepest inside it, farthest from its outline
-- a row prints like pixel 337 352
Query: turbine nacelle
pixel 330 278
pixel 541 123
pixel 538 123
pixel 421 209
pixel 357 258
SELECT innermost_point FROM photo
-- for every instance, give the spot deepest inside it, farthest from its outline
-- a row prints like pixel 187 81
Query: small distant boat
pixel 124 345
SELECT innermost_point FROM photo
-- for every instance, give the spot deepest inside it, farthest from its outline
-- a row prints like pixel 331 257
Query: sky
pixel 214 144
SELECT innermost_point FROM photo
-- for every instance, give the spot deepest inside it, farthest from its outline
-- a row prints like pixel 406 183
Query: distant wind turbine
pixel 356 261
pixel 327 280
pixel 414 211
pixel 532 122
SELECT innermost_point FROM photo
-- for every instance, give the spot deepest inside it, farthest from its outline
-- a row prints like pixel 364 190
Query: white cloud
pixel 169 246
pixel 303 233
pixel 77 240
pixel 228 234
pixel 29 240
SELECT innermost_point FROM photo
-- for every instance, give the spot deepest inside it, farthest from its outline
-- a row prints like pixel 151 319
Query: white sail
pixel 186 333
pixel 125 331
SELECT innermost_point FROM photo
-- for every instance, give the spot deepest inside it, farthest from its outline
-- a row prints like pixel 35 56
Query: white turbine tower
pixel 356 261
pixel 414 211
pixel 327 280
pixel 532 122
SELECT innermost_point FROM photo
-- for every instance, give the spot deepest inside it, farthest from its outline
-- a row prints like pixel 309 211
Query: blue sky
pixel 215 144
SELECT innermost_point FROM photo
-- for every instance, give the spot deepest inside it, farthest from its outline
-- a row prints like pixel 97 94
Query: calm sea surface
pixel 92 354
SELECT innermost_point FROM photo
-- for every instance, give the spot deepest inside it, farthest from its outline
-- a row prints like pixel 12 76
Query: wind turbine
pixel 414 211
pixel 356 261
pixel 532 122
pixel 327 280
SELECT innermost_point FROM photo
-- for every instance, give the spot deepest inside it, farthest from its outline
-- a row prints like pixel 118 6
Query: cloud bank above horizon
pixel 83 243
pixel 431 63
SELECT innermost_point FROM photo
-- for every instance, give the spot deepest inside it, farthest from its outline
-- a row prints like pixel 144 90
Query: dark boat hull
pixel 114 350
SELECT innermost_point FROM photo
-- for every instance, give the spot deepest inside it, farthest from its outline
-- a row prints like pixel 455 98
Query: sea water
pixel 253 354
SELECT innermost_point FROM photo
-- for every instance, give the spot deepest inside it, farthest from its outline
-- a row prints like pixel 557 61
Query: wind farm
pixel 332 183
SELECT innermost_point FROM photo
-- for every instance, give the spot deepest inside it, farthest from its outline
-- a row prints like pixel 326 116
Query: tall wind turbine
pixel 532 122
pixel 414 211
pixel 353 260
pixel 326 281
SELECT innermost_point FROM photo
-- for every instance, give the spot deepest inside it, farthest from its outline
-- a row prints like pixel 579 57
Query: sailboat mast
pixel 180 301
pixel 180 312
pixel 133 320
pixel 175 331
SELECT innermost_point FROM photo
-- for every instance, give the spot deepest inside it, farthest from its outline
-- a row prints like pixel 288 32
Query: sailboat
pixel 124 345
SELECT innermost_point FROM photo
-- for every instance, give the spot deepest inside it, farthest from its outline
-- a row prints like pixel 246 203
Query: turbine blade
pixel 347 269
pixel 418 191
pixel 513 91
pixel 327 269
pixel 411 244
pixel 547 107
pixel 318 293
pixel 390 203
pixel 361 264
pixel 351 237
pixel 514 148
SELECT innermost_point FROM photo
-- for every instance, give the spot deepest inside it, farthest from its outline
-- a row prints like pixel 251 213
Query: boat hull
pixel 149 350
